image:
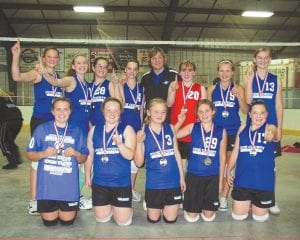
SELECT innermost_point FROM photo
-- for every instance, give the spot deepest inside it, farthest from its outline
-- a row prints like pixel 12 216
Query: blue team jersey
pixel 98 93
pixel 202 162
pixel 44 93
pixel 111 169
pixel 131 114
pixel 268 96
pixel 57 176
pixel 255 171
pixel 232 122
pixel 162 172
pixel 80 105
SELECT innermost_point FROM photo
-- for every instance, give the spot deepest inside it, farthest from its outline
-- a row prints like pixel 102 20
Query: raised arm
pixel 248 84
pixel 279 109
pixel 209 92
pixel 140 147
pixel 127 149
pixel 30 76
pixel 172 92
pixel 239 92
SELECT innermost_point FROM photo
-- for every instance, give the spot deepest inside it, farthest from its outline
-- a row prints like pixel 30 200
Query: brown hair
pixel 50 48
pixel 206 102
pixel 187 64
pixel 71 71
pixel 61 99
pixel 257 51
pixel 153 51
pixel 111 99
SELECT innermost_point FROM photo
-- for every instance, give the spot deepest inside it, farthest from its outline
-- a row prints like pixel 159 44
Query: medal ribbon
pixel 207 146
pixel 224 102
pixel 60 142
pixel 84 89
pixel 105 144
pixel 183 93
pixel 261 90
pixel 92 90
pixel 161 148
pixel 252 140
pixel 131 93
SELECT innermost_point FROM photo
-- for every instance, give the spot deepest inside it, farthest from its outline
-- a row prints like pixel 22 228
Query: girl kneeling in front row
pixel 157 146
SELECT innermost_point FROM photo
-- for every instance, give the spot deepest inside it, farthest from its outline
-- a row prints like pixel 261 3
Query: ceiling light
pixel 89 9
pixel 257 14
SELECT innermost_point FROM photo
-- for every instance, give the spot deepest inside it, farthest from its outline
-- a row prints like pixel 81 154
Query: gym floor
pixel 15 222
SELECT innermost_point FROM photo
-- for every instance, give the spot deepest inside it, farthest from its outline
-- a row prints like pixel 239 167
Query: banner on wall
pixel 105 53
pixel 122 56
pixel 29 58
pixel 142 57
pixel 61 64
pixel 70 53
pixel 3 60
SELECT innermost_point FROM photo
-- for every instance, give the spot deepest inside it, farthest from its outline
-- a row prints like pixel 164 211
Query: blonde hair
pixel 151 104
pixel 187 64
pixel 225 61
pixel 153 51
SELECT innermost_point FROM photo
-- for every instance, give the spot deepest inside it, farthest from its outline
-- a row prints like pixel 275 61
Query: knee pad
pixel 169 221
pixel 127 223
pixel 134 168
pixel 190 219
pixel 104 220
pixel 239 217
pixel 207 219
pixel 35 165
pixel 50 223
pixel 153 221
pixel 261 218
pixel 67 223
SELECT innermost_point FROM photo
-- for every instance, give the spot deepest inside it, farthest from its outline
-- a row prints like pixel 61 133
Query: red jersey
pixel 187 98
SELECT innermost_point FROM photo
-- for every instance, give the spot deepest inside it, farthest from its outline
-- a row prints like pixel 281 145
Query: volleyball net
pixel 205 55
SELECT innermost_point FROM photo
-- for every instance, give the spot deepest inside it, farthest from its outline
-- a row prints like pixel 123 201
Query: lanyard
pixel 60 141
pixel 252 140
pixel 84 89
pixel 161 148
pixel 261 90
pixel 207 146
pixel 224 101
pixel 98 87
pixel 131 93
pixel 183 93
pixel 106 143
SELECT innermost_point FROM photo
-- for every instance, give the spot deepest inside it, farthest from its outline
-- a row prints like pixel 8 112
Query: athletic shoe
pixel 85 203
pixel 136 197
pixel 275 210
pixel 223 204
pixel 32 208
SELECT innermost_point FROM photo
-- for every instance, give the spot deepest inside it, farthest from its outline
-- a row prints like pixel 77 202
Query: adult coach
pixel 156 82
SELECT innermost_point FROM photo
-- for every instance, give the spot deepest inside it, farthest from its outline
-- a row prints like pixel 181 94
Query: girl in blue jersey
pixel 111 148
pixel 44 93
pixel 253 158
pixel 228 98
pixel 133 111
pixel 261 84
pixel 157 147
pixel 58 146
pixel 101 88
pixel 76 89
pixel 206 164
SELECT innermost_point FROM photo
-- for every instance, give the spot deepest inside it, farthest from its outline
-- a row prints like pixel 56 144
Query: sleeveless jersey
pixel 57 176
pixel 80 106
pixel 161 174
pixel 44 93
pixel 131 114
pixel 116 171
pixel 268 96
pixel 255 172
pixel 98 93
pixel 197 164
pixel 192 96
pixel 232 122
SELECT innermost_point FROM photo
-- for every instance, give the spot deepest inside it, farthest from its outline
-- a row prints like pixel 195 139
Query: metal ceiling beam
pixel 65 7
pixel 6 29
pixel 170 20
pixel 151 23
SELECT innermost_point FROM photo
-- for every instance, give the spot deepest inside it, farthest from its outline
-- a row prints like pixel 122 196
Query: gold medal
pixel 207 161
